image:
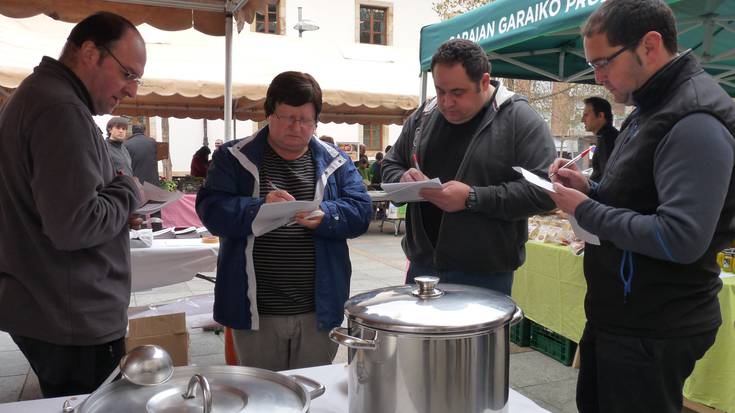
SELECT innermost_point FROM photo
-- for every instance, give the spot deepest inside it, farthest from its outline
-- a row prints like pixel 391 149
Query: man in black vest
pixel 598 118
pixel 663 210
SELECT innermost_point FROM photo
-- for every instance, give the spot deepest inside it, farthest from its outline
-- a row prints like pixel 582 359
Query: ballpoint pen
pixel 575 159
pixel 415 160
pixel 273 186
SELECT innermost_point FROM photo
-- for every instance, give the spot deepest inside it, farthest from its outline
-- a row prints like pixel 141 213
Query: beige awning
pixel 206 16
pixel 183 75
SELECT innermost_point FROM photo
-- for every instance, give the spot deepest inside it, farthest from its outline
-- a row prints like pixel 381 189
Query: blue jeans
pixel 501 281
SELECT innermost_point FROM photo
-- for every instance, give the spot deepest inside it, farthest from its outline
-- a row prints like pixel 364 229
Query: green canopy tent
pixel 540 40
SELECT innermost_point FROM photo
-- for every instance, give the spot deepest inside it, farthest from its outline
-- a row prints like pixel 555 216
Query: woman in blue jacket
pixel 281 286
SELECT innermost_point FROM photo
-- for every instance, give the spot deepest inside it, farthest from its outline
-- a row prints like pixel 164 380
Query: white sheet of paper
pixel 409 191
pixel 582 233
pixel 277 214
pixel 535 179
pixel 155 198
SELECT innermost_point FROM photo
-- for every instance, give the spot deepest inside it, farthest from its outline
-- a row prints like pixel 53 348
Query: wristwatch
pixel 471 202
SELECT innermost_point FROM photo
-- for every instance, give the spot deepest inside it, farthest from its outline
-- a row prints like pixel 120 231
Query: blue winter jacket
pixel 229 202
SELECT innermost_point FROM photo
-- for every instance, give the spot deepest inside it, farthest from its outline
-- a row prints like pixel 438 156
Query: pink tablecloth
pixel 181 213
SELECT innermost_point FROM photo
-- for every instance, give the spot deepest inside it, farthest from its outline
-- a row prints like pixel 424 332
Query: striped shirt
pixel 284 258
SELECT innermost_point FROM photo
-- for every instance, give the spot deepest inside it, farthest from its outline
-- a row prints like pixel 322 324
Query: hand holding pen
pixel 572 161
pixel 277 194
pixel 414 173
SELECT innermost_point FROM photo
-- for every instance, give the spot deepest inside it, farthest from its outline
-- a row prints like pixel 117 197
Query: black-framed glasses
pixel 130 76
pixel 601 64
pixel 293 119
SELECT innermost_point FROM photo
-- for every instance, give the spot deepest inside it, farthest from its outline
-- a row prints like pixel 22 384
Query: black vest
pixel 665 299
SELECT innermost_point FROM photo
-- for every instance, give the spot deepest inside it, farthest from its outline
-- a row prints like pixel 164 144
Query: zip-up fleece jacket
pixel 230 200
pixel 664 208
pixel 64 244
pixel 492 237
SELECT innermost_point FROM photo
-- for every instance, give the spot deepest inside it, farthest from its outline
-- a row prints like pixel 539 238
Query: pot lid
pixel 232 389
pixel 432 308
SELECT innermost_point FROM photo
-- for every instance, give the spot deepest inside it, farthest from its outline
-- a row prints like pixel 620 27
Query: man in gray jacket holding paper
pixel 64 244
pixel 473 230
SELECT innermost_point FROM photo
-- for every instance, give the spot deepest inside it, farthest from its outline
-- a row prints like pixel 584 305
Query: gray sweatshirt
pixel 64 245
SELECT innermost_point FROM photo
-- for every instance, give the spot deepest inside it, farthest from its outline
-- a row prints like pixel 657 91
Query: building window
pixel 373 25
pixel 372 137
pixel 267 21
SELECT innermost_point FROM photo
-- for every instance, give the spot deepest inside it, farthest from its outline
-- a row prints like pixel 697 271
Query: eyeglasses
pixel 601 64
pixel 129 75
pixel 292 119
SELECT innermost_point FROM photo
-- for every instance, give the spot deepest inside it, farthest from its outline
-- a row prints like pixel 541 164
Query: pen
pixel 273 186
pixel 415 161
pixel 575 159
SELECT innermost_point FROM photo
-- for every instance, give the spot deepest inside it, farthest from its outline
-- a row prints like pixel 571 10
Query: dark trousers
pixel 498 281
pixel 629 374
pixel 70 370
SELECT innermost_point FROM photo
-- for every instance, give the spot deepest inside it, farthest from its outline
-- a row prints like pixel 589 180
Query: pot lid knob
pixel 427 287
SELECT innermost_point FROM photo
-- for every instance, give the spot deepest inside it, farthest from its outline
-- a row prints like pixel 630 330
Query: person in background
pixel 387 149
pixel 143 153
pixel 375 172
pixel 117 130
pixel 143 150
pixel 282 291
pixel 200 162
pixel 663 210
pixel 218 143
pixel 473 230
pixel 363 167
pixel 65 256
pixel 598 119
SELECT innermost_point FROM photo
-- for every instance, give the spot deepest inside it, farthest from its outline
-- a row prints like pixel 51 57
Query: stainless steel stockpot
pixel 428 348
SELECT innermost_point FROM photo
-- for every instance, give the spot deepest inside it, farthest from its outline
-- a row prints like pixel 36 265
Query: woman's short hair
pixel 293 89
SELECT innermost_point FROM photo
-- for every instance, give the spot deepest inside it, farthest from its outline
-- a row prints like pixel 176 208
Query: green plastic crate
pixel 520 333
pixel 552 344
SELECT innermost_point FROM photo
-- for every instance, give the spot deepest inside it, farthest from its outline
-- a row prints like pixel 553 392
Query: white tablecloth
pixel 334 400
pixel 171 261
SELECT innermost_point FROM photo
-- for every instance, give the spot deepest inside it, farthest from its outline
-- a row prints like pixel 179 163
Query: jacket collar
pixel 502 94
pixel 666 80
pixel 57 68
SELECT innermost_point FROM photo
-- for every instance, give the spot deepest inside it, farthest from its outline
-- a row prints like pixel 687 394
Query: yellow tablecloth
pixel 550 289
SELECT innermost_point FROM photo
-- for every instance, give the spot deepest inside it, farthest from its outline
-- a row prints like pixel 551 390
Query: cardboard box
pixel 168 331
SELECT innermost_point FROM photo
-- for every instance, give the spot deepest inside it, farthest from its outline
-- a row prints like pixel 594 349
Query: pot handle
pixel 340 336
pixel 517 316
pixel 319 388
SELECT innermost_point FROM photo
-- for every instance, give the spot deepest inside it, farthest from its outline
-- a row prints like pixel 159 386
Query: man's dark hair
pixel 379 156
pixel 600 105
pixel 465 52
pixel 293 89
pixel 117 121
pixel 138 128
pixel 624 22
pixel 102 28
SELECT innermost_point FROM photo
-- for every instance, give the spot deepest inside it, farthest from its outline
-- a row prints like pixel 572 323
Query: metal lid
pixel 431 308
pixel 232 389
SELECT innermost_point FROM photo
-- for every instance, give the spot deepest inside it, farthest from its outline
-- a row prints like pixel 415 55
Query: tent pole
pixel 424 81
pixel 228 78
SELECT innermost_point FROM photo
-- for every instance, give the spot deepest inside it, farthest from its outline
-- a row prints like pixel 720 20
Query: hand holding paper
pixel 409 191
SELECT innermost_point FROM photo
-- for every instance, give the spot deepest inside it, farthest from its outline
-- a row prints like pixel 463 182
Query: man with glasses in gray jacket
pixel 65 256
